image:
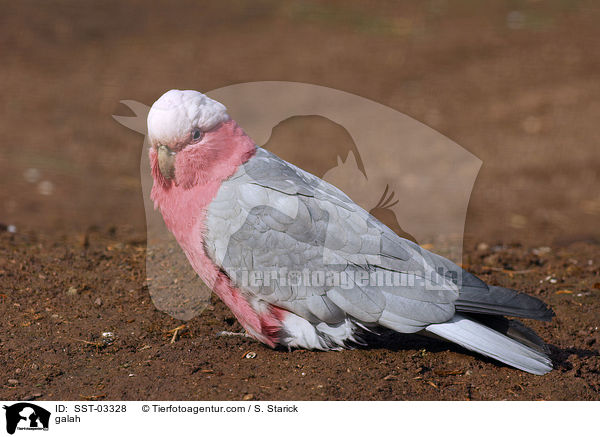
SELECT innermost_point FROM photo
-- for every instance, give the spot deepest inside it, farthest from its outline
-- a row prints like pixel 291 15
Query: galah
pixel 241 214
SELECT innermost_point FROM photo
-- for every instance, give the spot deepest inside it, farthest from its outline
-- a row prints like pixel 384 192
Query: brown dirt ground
pixel 515 82
pixel 52 338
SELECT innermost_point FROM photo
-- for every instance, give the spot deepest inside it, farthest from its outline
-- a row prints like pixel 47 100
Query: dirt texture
pixel 514 82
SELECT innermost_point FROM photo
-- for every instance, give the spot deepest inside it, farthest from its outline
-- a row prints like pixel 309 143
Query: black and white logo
pixel 26 416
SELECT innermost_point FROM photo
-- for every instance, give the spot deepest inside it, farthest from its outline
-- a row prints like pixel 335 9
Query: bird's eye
pixel 196 134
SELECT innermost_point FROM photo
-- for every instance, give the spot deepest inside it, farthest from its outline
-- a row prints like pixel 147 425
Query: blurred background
pixel 514 82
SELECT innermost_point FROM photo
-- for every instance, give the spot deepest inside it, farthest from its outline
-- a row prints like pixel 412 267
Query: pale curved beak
pixel 166 162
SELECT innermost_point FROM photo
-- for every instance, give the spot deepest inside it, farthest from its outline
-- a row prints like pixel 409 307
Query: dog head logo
pixel 26 416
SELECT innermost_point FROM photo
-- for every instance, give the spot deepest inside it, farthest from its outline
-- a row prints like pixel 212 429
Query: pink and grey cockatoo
pixel 235 208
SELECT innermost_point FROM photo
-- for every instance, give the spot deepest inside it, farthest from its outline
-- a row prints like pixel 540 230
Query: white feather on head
pixel 176 113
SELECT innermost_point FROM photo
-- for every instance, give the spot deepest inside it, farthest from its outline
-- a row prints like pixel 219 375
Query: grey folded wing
pixel 297 242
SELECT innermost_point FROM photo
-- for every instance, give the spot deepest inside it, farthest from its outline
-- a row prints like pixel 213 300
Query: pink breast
pixel 184 211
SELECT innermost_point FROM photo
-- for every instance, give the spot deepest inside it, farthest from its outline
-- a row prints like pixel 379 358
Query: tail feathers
pixel 486 341
pixel 513 329
pixel 502 301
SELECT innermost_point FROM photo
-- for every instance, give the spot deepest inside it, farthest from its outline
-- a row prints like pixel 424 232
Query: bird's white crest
pixel 174 115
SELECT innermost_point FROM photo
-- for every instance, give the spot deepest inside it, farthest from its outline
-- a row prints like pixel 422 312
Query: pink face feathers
pixel 216 157
pixel 199 169
pixel 194 140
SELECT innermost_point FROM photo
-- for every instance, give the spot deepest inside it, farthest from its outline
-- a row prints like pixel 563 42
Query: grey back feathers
pixel 271 217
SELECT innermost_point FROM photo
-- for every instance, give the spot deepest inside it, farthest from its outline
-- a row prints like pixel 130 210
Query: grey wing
pixel 295 241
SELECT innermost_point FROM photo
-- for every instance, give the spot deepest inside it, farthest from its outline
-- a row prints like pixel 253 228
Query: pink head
pixel 193 141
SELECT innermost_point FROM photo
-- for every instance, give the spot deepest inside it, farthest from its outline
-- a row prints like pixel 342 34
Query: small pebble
pixel 248 397
pixel 13 381
pixel 72 291
pixel 45 188
pixel 98 302
pixel 541 250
